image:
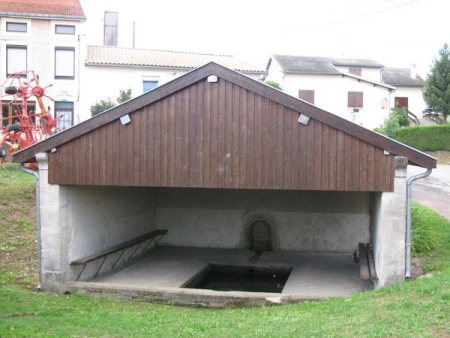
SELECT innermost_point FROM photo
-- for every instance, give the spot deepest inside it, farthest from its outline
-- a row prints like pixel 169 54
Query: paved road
pixel 433 191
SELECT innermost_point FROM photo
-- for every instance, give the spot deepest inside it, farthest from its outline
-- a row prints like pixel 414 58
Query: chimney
pixel 110 35
pixel 413 71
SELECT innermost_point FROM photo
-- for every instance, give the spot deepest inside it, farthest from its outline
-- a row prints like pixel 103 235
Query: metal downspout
pixel 38 221
pixel 408 218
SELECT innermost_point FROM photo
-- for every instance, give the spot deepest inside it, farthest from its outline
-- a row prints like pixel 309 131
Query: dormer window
pixel 18 27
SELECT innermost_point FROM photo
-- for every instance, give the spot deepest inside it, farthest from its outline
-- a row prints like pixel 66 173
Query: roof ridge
pixel 162 50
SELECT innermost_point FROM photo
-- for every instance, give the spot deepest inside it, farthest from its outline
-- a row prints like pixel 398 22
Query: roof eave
pixel 359 78
pixel 43 16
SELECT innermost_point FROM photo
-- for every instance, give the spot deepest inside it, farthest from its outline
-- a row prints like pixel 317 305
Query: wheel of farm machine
pixel 13 127
pixel 2 152
pixel 11 90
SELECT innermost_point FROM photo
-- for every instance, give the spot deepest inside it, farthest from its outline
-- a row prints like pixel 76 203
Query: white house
pixel 408 92
pixel 109 69
pixel 44 38
pixel 349 88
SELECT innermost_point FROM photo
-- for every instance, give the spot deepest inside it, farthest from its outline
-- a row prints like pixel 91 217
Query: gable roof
pixel 319 65
pixel 257 88
pixel 120 56
pixel 58 9
pixel 401 77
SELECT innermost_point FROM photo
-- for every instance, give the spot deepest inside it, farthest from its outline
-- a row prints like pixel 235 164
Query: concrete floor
pixel 164 272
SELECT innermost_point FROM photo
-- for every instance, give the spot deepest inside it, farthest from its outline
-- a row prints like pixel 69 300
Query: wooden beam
pixel 363 262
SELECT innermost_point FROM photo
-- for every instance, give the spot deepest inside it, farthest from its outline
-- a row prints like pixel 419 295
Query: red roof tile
pixel 43 8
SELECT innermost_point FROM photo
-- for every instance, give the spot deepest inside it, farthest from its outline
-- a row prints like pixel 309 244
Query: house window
pixel 307 95
pixel 11 111
pixel 16 59
pixel 355 100
pixel 355 71
pixel 63 114
pixel 20 27
pixel 64 29
pixel 149 85
pixel 64 63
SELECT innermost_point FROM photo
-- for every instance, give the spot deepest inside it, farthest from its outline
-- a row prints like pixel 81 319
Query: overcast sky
pixel 396 33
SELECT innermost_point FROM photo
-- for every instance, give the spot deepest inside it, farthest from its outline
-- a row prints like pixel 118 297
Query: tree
pixel 436 90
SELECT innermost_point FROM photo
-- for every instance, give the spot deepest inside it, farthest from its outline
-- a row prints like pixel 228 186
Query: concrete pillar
pixel 50 231
pixel 388 229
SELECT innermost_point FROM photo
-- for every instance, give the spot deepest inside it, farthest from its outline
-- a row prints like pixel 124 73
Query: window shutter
pixel 355 71
pixel 307 95
pixel 355 100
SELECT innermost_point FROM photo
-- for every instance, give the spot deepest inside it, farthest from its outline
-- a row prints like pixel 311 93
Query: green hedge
pixel 426 138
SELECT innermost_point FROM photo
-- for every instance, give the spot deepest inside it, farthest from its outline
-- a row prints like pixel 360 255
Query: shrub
pixel 273 84
pixel 425 138
pixel 124 95
pixel 402 115
pixel 101 106
pixel 425 225
pixel 398 119
pixel 391 125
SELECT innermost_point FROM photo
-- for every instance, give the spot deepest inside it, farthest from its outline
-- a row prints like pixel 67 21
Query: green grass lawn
pixel 417 308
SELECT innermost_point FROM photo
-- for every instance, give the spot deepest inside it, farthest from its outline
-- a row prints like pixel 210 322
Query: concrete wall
pixel 80 221
pixel 388 229
pixel 300 220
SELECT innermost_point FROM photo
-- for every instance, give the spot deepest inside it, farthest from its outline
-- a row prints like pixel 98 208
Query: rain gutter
pixel 408 218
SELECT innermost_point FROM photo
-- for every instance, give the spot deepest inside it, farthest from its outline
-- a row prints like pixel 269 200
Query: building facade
pixel 44 38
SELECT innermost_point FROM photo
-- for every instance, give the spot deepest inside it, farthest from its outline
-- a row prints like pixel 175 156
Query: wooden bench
pixel 120 247
pixel 366 263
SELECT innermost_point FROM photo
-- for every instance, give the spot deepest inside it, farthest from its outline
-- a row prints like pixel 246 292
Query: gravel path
pixel 433 191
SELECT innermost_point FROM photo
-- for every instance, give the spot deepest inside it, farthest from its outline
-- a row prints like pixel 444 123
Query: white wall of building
pixel 100 83
pixel 331 94
pixel 103 82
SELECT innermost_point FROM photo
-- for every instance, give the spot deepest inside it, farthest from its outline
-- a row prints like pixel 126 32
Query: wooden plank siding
pixel 221 135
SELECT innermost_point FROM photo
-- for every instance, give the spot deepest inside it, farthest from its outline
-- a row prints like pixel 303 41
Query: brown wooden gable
pixel 233 133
